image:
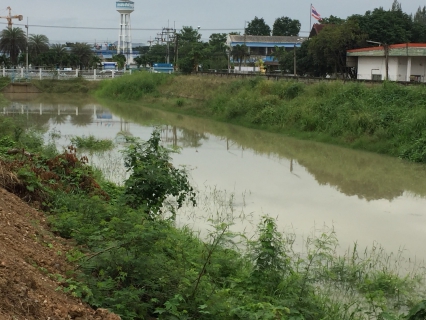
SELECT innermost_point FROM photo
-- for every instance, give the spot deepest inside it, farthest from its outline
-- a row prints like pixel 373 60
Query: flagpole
pixel 310 18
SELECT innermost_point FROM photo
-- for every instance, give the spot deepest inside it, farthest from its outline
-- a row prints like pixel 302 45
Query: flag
pixel 314 13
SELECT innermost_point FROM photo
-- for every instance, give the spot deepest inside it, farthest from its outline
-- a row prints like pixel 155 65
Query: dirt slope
pixel 28 255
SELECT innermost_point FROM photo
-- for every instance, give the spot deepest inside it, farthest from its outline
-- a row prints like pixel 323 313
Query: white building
pixel 403 62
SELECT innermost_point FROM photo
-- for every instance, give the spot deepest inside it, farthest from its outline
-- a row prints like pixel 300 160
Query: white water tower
pixel 124 46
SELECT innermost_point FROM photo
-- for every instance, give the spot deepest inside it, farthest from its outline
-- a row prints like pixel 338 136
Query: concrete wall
pixel 370 65
pixel 418 67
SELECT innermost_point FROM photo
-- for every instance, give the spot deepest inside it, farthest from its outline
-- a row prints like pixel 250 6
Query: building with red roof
pixel 396 62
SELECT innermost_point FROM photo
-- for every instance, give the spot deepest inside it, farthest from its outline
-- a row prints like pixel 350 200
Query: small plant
pixel 91 143
pixel 180 102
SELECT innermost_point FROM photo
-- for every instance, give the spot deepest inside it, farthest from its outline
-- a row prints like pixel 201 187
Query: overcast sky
pixel 150 17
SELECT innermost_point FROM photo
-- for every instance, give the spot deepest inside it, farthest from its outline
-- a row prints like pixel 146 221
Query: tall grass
pixel 131 87
pixel 386 118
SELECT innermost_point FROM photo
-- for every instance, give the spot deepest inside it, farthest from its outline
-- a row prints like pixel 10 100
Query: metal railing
pixel 21 75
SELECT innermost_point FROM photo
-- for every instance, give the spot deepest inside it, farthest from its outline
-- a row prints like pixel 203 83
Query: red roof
pixel 392 46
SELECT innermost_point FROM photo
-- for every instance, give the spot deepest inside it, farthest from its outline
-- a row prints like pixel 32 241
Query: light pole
pixel 386 53
pixel 26 55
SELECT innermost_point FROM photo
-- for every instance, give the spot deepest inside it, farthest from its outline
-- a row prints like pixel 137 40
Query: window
pixel 376 77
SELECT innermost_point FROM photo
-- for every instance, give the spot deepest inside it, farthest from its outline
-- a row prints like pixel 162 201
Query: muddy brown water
pixel 367 198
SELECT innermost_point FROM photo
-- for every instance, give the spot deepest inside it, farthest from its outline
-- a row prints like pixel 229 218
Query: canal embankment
pixel 385 118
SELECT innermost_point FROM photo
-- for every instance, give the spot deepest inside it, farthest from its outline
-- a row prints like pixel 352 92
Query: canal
pixel 367 198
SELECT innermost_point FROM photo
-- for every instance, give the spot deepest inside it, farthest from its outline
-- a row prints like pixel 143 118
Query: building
pixel 397 62
pixel 262 47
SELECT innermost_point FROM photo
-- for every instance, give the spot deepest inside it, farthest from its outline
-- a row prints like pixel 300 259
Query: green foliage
pixel 131 87
pixel 257 27
pixel 386 118
pixel 92 143
pixel 153 178
pixel 286 26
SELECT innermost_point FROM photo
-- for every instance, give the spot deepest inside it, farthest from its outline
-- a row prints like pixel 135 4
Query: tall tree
pixel 329 47
pixel 386 26
pixel 83 52
pixel 396 6
pixel 12 42
pixel 59 53
pixel 286 26
pixel 37 43
pixel 258 27
pixel 190 49
pixel 420 16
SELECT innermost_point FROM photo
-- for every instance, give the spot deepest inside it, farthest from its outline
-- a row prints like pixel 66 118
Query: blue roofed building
pixel 262 47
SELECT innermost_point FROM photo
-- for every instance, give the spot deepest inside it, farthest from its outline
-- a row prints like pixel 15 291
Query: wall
pixel 366 66
pixel 418 67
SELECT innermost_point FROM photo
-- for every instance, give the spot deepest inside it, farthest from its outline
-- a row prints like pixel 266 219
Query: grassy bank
pixel 387 118
pixel 130 257
pixel 72 86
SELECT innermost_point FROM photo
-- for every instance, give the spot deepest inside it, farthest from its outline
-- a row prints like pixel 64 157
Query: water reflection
pixel 354 173
pixel 366 175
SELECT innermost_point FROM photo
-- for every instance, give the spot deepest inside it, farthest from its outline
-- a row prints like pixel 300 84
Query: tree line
pixel 320 55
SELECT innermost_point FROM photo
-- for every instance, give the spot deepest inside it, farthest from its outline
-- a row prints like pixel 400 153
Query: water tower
pixel 124 46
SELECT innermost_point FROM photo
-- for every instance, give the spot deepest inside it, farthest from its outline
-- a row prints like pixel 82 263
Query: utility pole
pixel 294 60
pixel 176 49
pixel 26 55
pixel 386 49
pixel 166 36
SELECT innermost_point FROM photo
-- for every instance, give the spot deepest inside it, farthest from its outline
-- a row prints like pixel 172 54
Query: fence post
pixel 94 74
pixel 40 72
pixel 112 74
pixel 22 72
pixel 76 73
pixel 4 72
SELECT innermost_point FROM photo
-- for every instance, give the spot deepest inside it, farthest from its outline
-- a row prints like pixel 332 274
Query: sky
pixel 97 21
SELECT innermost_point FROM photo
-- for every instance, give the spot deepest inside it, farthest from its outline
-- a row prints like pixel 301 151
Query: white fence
pixel 21 74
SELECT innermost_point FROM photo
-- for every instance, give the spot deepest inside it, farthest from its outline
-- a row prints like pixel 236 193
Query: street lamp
pixel 386 53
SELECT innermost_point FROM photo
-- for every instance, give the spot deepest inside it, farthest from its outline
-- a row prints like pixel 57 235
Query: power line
pixel 111 28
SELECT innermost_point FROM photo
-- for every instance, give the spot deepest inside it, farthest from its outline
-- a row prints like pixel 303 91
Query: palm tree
pixel 37 43
pixel 12 42
pixel 120 59
pixel 239 52
pixel 83 51
pixel 95 61
pixel 59 53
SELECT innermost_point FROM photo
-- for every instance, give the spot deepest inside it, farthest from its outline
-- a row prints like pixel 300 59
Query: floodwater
pixel 367 198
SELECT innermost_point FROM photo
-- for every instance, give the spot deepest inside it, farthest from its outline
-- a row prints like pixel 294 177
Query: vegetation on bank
pixel 386 118
pixel 91 143
pixel 133 260
pixel 74 85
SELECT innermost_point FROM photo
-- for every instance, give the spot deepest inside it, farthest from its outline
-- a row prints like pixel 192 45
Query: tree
pixel 190 49
pixel 95 61
pixel 12 42
pixel 258 27
pixel 332 20
pixel 396 6
pixel 390 27
pixel 37 43
pixel 285 26
pixel 239 53
pixel 329 47
pixel 120 59
pixel 83 52
pixel 59 54
pixel 420 16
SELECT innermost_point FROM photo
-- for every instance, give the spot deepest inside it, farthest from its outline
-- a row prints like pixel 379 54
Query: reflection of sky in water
pixel 275 185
